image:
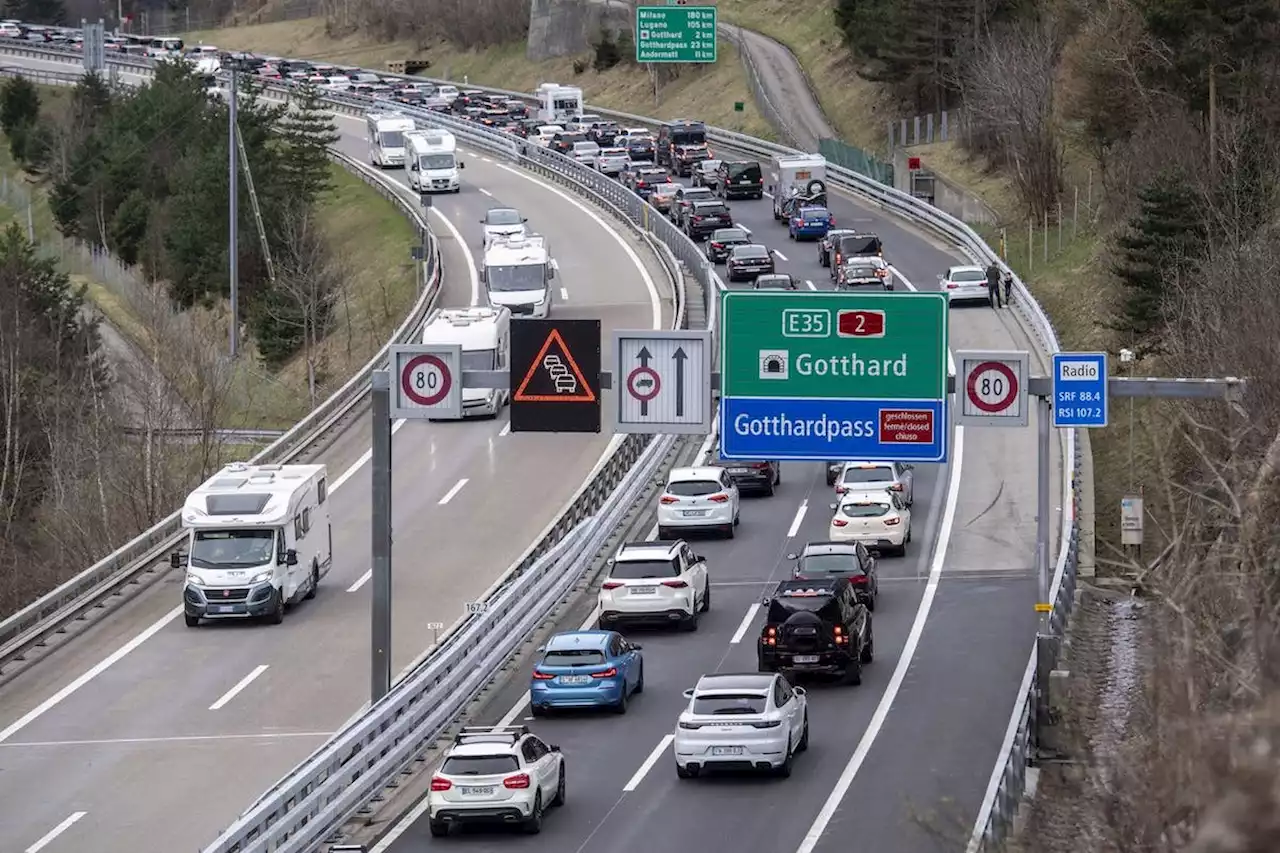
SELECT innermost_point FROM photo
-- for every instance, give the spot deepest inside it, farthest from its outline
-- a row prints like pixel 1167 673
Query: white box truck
pixel 796 178
pixel 485 337
pixel 558 104
pixel 386 138
pixel 259 541
pixel 433 161
pixel 517 273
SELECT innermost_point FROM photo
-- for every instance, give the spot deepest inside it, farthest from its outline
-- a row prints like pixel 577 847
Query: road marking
pixel 449 495
pixel 49 836
pixel 564 294
pixel 779 254
pixel 362 461
pixel 486 159
pixel 810 284
pixel 472 272
pixel 485 191
pixel 801 511
pixel 161 740
pixel 240 686
pixel 655 300
pixel 745 624
pixel 506 429
pixel 635 780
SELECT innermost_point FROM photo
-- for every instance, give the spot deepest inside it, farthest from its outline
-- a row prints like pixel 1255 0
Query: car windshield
pixel 636 569
pixel 751 252
pixel 477 359
pixel 520 277
pixel 232 549
pixel 781 609
pixel 586 147
pixel 867 475
pixel 504 216
pixel 391 139
pixel 814 212
pixel 693 488
pixel 614 152
pixel 828 564
pixel 852 246
pixel 729 235
pixel 710 208
pixel 665 189
pixel 861 272
pixel 750 171
pixel 573 657
pixel 435 161
pixel 697 194
pixel 724 704
pixel 689 137
pixel 479 765
pixel 968 276
pixel 783 281
pixel 864 509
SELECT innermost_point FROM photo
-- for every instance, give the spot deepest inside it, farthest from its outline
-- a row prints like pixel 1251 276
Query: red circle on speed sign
pixel 1003 398
pixel 417 363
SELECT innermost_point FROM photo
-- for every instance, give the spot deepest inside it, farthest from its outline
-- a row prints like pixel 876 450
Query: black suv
pixel 851 560
pixel 705 218
pixel 721 243
pixel 681 134
pixel 747 262
pixel 854 246
pixel 603 133
pixel 740 179
pixel 816 626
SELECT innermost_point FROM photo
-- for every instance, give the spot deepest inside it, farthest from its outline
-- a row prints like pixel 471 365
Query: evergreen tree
pixel 1164 241
pixel 19 104
pixel 307 131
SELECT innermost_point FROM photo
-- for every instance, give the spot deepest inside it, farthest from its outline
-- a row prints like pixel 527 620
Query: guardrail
pixel 1008 777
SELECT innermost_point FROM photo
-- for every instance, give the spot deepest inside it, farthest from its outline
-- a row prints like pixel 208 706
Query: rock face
pixel 569 27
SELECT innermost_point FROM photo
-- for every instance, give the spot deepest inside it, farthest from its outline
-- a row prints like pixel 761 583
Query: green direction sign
pixel 676 34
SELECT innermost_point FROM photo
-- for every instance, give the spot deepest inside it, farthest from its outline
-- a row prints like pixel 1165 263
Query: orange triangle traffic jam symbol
pixel 554 377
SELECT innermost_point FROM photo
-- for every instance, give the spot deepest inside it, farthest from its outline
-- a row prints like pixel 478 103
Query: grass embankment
pixel 707 93
pixel 369 235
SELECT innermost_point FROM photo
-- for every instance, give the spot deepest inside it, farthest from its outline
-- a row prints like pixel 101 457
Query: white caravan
pixel 260 541
pixel 558 104
pixel 386 138
pixel 485 337
pixel 433 161
pixel 517 272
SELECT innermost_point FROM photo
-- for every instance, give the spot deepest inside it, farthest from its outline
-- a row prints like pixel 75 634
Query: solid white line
pixel 449 495
pixel 655 300
pixel 564 294
pixel 506 429
pixel 779 254
pixel 49 836
pixel 466 255
pixel 746 623
pixel 361 581
pixel 795 522
pixel 635 780
pixel 485 191
pixel 810 284
pixel 177 739
pixel 240 686
pixel 362 461
pixel 92 673
pixel 843 784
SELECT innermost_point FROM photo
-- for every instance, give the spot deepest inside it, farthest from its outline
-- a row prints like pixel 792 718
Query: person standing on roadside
pixel 993 285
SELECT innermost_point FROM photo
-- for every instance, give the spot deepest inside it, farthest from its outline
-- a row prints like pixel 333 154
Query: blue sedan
pixel 810 223
pixel 586 669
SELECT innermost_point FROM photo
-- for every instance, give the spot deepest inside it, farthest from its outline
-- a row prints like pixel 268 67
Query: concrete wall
pixel 948 198
pixel 569 27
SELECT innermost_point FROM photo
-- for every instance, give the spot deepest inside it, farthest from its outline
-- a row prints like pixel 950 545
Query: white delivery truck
pixel 386 138
pixel 796 178
pixel 433 161
pixel 259 541
pixel 485 337
pixel 558 104
pixel 517 272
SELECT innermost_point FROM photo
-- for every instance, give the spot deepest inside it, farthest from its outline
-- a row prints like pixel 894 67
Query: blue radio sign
pixel 1080 389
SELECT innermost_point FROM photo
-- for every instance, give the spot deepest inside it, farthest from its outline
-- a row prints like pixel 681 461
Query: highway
pixel 143 734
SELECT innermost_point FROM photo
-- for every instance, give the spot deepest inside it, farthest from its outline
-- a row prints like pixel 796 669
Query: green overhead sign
pixel 675 34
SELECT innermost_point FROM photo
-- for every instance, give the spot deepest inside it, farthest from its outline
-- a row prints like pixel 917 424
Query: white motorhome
pixel 386 138
pixel 433 161
pixel 792 175
pixel 517 272
pixel 558 104
pixel 485 337
pixel 259 541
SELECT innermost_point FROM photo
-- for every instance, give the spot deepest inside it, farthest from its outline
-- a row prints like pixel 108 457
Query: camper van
pixel 517 272
pixel 558 104
pixel 485 337
pixel 433 161
pixel 386 138
pixel 796 179
pixel 259 541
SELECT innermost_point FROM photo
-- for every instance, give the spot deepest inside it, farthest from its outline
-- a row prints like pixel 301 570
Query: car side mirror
pixel 793 556
pixel 764 599
pixel 291 557
pixel 698 558
pixel 461 165
pixel 939 277
pixel 554 747
pixel 799 691
pixel 688 694
pixel 525 219
pixel 175 560
pixel 551 272
pixel 541 649
pixel 875 552
pixel 636 647
pixel 834 507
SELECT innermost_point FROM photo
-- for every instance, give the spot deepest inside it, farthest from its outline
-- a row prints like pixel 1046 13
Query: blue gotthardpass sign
pixel 773 428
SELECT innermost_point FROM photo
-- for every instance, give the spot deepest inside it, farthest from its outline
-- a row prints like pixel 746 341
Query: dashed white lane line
pixel 779 254
pixel 663 746
pixel 485 191
pixel 49 837
pixel 564 294
pixel 238 688
pixel 362 461
pixel 452 493
pixel 745 624
pixel 810 284
pixel 506 429
pixel 801 511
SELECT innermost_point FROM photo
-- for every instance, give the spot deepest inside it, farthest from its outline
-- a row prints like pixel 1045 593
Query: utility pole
pixel 233 244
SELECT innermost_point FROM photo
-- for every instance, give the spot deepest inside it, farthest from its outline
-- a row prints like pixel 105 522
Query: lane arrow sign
pixel 644 355
pixel 679 357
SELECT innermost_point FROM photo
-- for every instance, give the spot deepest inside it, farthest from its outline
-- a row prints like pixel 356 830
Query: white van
pixel 433 161
pixel 558 104
pixel 485 337
pixel 386 138
pixel 517 273
pixel 260 541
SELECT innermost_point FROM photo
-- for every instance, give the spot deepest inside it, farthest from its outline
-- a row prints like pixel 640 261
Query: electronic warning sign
pixel 555 376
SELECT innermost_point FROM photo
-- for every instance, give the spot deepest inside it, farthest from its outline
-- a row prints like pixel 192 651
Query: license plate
pixel 642 590
pixel 693 513
pixel 805 659
pixel 486 791
pixel 575 679
pixel 748 183
pixel 738 471
pixel 726 750
pixel 223 608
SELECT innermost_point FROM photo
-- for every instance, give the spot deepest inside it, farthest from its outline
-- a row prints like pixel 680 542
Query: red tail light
pixel 440 784
pixel 839 636
pixel 611 672
pixel 542 676
pixel 858 580
pixel 951 285
pixel 676 584
pixel 668 500
pixel 760 466
pixel 896 487
pixel 839 522
pixel 890 522
pixel 831 220
pixel 520 780
pixel 716 245
pixel 770 636
pixel 719 499
pixel 610 584
pixel 697 218
pixel 839 260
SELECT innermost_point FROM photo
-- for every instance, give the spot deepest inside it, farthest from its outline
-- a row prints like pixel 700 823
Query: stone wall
pixel 948 197
pixel 570 27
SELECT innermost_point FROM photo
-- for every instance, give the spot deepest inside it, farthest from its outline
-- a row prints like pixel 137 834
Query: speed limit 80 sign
pixel 991 388
pixel 426 381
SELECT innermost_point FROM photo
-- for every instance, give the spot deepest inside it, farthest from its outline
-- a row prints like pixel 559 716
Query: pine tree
pixel 307 132
pixel 1164 241
pixel 19 104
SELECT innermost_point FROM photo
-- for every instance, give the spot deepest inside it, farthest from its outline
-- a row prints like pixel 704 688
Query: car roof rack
pixel 490 734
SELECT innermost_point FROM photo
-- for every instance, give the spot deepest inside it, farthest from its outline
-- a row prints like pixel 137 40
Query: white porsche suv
pixel 744 721
pixel 660 582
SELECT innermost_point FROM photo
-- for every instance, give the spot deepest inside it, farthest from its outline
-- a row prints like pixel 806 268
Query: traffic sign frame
pixel 970 364
pixel 445 401
pixel 573 406
pixel 1070 411
pixel 679 21
pixel 667 418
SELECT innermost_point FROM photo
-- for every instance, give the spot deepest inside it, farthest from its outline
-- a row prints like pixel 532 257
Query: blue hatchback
pixel 810 223
pixel 586 669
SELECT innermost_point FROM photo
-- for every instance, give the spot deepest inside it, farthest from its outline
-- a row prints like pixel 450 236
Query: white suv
pixel 655 583
pixel 698 499
pixel 877 476
pixel 750 721
pixel 496 774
